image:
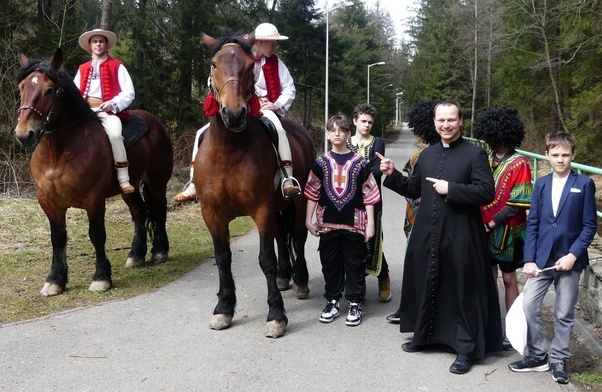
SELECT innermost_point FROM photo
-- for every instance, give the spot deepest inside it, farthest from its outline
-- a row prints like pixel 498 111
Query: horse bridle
pixel 58 95
pixel 212 87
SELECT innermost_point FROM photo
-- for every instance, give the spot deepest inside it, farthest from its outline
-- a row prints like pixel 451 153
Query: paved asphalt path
pixel 161 341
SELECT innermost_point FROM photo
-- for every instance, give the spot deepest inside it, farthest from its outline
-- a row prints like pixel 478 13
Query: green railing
pixel 536 158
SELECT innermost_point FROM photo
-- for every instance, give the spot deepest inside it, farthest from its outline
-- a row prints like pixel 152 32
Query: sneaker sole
pixel 560 380
pixel 327 320
pixel 353 323
pixel 541 368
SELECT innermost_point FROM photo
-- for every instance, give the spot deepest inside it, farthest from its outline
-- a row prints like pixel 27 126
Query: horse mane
pixel 72 97
pixel 235 39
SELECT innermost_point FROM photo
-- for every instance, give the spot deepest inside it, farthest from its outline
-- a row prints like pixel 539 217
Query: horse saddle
pixel 133 129
pixel 270 130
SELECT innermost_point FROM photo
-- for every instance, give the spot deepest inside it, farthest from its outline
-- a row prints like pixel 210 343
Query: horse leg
pixel 137 254
pixel 300 273
pixel 156 216
pixel 285 270
pixel 56 281
pixel 226 296
pixel 101 281
pixel 276 320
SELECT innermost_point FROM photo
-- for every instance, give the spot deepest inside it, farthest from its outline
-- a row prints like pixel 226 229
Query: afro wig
pixel 422 123
pixel 500 127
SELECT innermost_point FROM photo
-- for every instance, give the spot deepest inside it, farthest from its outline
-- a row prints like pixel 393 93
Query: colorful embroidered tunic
pixel 341 185
pixel 374 260
pixel 513 188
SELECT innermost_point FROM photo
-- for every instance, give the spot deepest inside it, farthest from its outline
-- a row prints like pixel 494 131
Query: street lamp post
pixel 397 116
pixel 368 83
pixel 328 11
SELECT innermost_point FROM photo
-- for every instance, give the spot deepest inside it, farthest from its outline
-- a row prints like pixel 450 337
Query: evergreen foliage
pixel 541 58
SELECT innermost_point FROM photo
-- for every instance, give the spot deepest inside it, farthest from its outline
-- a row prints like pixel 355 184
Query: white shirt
pixel 557 187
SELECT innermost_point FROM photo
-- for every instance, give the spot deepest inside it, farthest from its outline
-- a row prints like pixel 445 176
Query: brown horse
pixel 234 176
pixel 72 166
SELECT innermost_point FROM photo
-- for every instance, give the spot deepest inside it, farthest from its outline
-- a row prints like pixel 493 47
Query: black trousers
pixel 343 257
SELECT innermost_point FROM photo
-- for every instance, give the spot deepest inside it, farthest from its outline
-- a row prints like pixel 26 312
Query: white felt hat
pixel 84 39
pixel 268 32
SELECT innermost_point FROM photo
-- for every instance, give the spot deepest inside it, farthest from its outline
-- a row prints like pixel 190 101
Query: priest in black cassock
pixel 448 294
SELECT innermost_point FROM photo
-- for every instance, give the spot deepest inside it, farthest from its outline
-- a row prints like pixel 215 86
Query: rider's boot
pixel 189 192
pixel 123 177
pixel 290 186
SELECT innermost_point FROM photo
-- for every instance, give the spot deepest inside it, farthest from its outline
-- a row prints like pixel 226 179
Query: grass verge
pixel 25 261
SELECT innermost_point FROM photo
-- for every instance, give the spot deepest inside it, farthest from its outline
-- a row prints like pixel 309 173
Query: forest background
pixel 542 57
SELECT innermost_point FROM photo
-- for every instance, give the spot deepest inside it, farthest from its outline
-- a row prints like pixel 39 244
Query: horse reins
pixel 58 95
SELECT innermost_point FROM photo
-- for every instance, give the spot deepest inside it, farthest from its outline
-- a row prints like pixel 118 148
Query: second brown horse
pixel 234 176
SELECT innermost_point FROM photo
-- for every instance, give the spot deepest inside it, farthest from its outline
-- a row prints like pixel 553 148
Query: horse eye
pixel 48 91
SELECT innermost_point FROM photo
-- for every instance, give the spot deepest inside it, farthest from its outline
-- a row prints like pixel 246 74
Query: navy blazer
pixel 573 228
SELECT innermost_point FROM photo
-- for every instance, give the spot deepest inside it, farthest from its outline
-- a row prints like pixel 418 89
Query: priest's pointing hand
pixel 439 185
pixel 387 166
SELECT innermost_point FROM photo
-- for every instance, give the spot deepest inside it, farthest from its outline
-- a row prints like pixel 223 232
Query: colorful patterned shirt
pixel 342 186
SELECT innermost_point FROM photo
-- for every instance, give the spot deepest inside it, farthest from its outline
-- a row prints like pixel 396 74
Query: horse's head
pixel 232 79
pixel 40 96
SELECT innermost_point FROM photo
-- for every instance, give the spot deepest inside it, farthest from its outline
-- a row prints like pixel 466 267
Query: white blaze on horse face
pixel 34 80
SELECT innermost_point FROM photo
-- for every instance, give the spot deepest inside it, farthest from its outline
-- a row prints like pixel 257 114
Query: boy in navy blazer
pixel 560 227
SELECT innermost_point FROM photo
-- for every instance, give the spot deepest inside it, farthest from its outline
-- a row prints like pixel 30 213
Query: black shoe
pixel 462 364
pixel 393 318
pixel 410 347
pixel 559 372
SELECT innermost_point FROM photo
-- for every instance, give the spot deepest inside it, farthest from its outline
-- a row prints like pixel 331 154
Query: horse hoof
pixel 220 321
pixel 301 292
pixel 99 285
pixel 274 329
pixel 133 262
pixel 159 258
pixel 283 284
pixel 51 289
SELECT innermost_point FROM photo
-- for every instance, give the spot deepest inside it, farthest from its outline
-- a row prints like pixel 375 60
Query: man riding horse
pixel 107 87
pixel 276 90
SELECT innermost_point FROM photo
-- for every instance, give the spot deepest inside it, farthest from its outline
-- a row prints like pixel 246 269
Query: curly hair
pixel 420 120
pixel 500 127
pixel 364 108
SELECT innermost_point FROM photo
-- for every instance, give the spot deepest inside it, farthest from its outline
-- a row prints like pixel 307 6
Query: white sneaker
pixel 354 315
pixel 330 312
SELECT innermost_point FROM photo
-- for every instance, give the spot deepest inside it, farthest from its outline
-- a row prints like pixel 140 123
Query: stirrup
pixel 295 183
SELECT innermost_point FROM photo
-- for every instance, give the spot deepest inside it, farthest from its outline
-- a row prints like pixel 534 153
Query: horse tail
pixel 151 219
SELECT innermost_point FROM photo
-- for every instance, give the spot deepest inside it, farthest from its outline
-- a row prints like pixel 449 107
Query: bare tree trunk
pixel 476 66
pixel 105 19
pixel 489 58
pixel 141 47
pixel 44 11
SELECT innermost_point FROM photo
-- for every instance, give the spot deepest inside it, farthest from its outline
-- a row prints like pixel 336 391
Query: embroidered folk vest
pixel 272 78
pixel 109 81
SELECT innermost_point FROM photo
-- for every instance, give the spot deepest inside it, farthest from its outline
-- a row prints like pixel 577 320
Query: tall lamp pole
pixel 368 83
pixel 328 11
pixel 397 116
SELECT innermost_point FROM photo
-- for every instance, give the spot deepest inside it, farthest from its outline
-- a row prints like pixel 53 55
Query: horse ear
pixel 209 41
pixel 251 38
pixel 57 59
pixel 23 59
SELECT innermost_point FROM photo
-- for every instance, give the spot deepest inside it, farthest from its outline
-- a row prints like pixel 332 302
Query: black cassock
pixel 448 294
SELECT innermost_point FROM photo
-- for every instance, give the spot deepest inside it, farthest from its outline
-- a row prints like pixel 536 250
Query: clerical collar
pixel 452 144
